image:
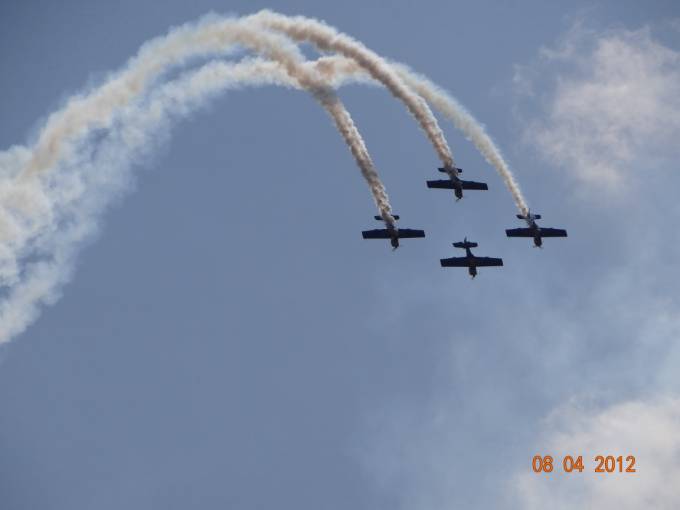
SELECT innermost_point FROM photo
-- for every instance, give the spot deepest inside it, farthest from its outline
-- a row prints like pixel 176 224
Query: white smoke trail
pixel 327 38
pixel 83 186
pixel 216 35
pixel 211 35
pixel 338 71
pixel 44 216
pixel 463 120
pixel 344 70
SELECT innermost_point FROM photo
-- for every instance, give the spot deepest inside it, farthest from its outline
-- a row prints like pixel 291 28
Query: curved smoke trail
pixel 339 70
pixel 327 38
pixel 345 70
pixel 81 188
pixel 44 216
pixel 443 102
pixel 215 35
pixel 211 35
pixel 404 84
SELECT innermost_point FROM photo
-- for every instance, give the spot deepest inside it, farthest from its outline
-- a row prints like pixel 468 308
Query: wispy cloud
pixel 609 116
pixel 610 107
pixel 605 329
pixel 648 430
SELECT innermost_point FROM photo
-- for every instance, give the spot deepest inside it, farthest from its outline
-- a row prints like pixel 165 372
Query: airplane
pixel 455 183
pixel 534 230
pixel 392 233
pixel 470 261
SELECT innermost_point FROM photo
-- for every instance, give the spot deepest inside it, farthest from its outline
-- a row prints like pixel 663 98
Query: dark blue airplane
pixel 534 230
pixel 471 261
pixel 455 183
pixel 392 233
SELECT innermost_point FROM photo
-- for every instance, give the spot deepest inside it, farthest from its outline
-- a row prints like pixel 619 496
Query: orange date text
pixel 571 464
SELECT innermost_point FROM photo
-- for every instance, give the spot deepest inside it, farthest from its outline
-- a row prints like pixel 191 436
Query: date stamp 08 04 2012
pixel 601 464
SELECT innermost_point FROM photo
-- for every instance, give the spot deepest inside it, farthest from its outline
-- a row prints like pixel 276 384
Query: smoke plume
pixel 327 38
pixel 45 215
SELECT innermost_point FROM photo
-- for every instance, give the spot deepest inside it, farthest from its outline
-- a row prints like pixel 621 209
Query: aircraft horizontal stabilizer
pixel 465 244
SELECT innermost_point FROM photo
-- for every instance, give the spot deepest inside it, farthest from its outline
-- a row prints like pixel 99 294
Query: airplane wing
pixel 553 232
pixel 488 261
pixel 474 185
pixel 406 233
pixel 379 233
pixel 446 184
pixel 519 232
pixel 454 262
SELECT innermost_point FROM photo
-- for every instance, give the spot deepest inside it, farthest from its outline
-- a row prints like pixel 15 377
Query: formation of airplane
pixel 470 260
pixel 533 230
pixel 455 183
pixel 392 232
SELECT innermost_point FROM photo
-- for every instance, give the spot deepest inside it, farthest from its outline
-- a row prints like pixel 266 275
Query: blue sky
pixel 229 340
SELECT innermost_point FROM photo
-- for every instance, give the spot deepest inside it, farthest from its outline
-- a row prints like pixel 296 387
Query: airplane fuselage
pixel 472 267
pixel 536 231
pixel 457 185
pixel 394 235
pixel 458 189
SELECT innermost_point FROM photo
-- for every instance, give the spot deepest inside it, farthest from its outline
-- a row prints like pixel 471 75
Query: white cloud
pixel 609 330
pixel 648 430
pixel 614 103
